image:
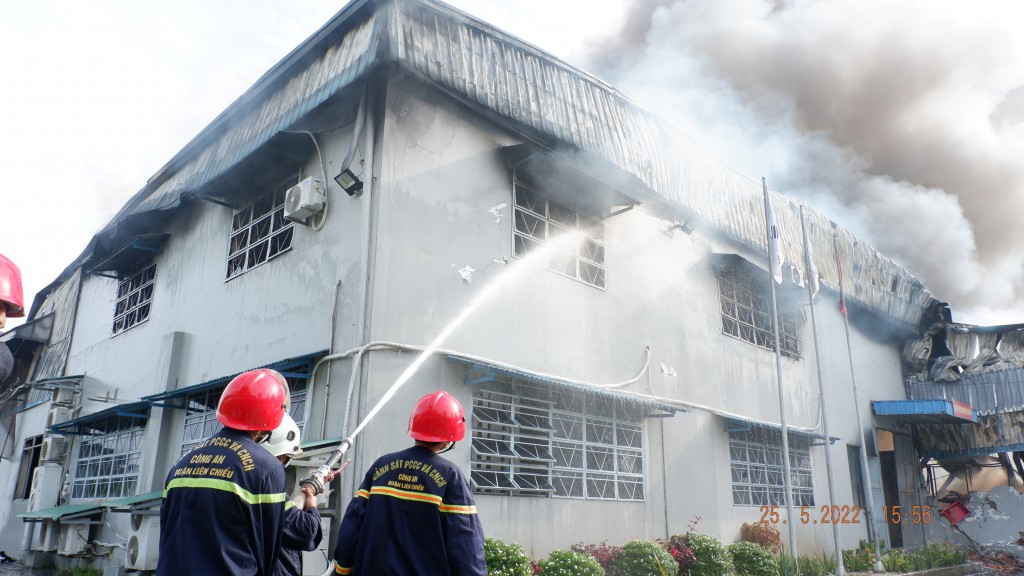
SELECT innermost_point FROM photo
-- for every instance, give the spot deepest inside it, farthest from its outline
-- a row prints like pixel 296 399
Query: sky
pixel 902 121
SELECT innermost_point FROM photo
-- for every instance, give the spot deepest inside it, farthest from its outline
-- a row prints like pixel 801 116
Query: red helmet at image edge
pixel 437 417
pixel 11 293
pixel 254 400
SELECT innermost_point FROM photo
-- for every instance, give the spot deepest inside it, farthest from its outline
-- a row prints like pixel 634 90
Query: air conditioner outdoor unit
pixel 797 276
pixel 144 543
pixel 64 396
pixel 57 415
pixel 73 539
pixel 53 448
pixel 303 200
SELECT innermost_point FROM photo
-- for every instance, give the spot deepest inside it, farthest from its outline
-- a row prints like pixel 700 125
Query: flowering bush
pixel 712 557
pixel 603 553
pixel 751 559
pixel 762 533
pixel 568 563
pixel 681 553
pixel 643 558
pixel 506 559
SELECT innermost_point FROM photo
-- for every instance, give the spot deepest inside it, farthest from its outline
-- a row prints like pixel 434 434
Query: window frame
pixel 116 441
pixel 31 458
pixel 134 298
pixel 277 230
pixel 526 450
pixel 766 466
pixel 588 259
pixel 746 314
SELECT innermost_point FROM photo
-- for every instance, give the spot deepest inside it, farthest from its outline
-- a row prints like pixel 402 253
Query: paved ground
pixel 19 570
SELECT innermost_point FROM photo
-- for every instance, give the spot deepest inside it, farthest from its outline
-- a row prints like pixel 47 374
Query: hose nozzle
pixel 317 478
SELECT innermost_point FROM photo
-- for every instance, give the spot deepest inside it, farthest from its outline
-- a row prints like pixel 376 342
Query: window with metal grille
pixel 758 471
pixel 529 440
pixel 538 219
pixel 107 465
pixel 259 231
pixel 201 411
pixel 134 297
pixel 746 314
pixel 29 461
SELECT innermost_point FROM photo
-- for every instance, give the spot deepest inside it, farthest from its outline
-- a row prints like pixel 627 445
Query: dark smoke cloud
pixel 903 121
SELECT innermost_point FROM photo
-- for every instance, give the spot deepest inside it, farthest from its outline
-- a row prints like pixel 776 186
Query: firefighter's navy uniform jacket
pixel 222 510
pixel 413 515
pixel 302 532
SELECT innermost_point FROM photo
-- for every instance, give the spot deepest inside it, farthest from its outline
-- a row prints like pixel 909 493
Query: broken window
pixel 134 298
pixel 539 219
pixel 530 440
pixel 107 465
pixel 758 472
pixel 746 314
pixel 259 231
pixel 29 461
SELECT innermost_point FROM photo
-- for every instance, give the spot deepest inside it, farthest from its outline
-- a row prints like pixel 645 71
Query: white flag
pixel 774 249
pixel 812 274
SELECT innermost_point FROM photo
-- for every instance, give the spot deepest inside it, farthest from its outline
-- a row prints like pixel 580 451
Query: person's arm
pixel 302 529
pixel 464 533
pixel 351 526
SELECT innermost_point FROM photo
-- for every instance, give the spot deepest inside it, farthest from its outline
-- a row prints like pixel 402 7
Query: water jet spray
pixel 316 479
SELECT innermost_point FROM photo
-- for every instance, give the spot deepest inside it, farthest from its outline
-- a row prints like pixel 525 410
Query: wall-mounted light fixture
pixel 349 182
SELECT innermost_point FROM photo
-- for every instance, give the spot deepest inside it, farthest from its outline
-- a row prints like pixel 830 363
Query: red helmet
pixel 10 288
pixel 437 417
pixel 254 400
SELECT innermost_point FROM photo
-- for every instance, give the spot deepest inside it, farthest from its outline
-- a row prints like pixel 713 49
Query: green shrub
pixel 898 561
pixel 568 563
pixel 712 557
pixel 939 555
pixel 643 558
pixel 506 559
pixel 859 560
pixel 749 559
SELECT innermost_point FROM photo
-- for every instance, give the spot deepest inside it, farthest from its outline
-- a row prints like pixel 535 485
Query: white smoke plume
pixel 902 121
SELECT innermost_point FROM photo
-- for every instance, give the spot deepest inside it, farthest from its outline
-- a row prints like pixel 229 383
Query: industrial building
pixel 409 162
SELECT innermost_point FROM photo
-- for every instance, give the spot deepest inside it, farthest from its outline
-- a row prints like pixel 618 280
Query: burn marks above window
pixel 539 219
pixel 259 231
pixel 134 298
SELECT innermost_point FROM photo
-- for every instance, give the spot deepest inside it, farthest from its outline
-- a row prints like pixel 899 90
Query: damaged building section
pixel 979 463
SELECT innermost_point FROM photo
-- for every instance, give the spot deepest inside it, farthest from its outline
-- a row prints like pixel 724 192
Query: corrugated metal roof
pixel 543 98
pixel 137 499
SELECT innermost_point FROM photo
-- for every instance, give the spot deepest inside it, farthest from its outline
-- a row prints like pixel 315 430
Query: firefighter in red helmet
pixel 414 513
pixel 12 298
pixel 224 501
pixel 12 305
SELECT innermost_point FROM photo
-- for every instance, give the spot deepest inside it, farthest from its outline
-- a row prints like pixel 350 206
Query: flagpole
pixel 869 501
pixel 772 232
pixel 812 279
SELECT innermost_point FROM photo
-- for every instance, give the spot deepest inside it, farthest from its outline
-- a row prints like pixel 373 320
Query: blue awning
pixel 926 411
pixel 479 372
pixel 297 367
pixel 90 423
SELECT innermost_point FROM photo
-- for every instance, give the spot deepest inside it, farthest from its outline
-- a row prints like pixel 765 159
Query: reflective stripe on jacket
pixel 222 510
pixel 413 515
